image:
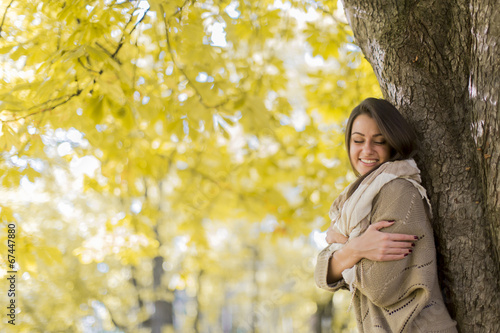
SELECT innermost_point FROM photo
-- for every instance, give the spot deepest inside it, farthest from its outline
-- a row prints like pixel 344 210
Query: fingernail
pixel 416 237
pixel 412 244
pixel 391 221
pixel 411 250
pixel 406 254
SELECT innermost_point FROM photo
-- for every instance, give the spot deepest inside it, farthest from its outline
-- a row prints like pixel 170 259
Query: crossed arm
pixel 373 244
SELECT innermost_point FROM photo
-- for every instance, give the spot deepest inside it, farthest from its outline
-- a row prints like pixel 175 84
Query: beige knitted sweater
pixel 403 295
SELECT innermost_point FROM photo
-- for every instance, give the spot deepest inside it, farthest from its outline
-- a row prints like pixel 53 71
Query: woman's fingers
pixel 391 236
pixel 397 250
pixel 393 257
pixel 381 224
pixel 402 237
pixel 393 253
pixel 330 239
pixel 378 245
pixel 402 245
pixel 334 236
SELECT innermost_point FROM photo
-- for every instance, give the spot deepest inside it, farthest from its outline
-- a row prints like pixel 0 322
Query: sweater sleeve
pixel 401 285
pixel 322 266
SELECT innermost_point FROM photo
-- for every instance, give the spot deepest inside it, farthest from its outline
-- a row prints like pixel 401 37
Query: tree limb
pixel 181 67
pixel 122 40
pixel 69 97
pixel 3 18
pixel 87 68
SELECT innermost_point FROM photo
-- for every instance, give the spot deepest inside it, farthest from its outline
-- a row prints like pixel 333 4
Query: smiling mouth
pixel 368 161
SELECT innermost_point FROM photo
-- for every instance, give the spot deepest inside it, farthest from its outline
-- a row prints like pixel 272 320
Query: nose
pixel 367 147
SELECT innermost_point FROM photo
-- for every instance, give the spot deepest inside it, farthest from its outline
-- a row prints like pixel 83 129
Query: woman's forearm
pixel 341 260
pixel 373 245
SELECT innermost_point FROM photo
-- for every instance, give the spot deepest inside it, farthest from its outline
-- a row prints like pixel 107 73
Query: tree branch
pixel 122 40
pixel 339 23
pixel 108 53
pixel 181 67
pixel 4 15
pixel 88 68
pixel 69 97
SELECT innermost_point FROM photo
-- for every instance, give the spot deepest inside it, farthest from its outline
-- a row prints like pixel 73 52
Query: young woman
pixel 392 274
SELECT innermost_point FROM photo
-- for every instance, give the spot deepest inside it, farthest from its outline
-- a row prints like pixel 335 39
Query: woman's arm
pixel 372 244
pixel 391 284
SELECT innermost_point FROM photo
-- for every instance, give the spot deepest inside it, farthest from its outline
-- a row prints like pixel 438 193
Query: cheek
pixel 353 154
pixel 386 153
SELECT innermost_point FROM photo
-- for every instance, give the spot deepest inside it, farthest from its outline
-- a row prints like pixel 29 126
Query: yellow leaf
pixel 49 255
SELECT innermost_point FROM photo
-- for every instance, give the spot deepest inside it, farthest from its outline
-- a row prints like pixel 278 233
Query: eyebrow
pixel 375 135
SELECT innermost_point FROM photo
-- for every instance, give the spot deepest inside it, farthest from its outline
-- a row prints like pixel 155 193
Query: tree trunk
pixel 438 61
pixel 164 311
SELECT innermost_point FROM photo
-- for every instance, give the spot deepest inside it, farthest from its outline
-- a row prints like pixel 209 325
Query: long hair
pixel 395 129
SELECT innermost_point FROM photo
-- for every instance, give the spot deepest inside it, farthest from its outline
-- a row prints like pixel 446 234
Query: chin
pixel 364 170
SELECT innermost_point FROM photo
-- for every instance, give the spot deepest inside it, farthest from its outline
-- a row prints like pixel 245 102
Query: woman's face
pixel 368 147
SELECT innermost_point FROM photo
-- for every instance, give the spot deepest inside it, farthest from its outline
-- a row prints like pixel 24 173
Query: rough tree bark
pixel 439 62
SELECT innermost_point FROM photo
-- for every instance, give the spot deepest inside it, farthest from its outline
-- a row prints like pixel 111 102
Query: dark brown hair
pixel 395 129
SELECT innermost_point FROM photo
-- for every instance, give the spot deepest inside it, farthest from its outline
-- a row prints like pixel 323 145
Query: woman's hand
pixel 333 235
pixel 373 245
pixel 381 246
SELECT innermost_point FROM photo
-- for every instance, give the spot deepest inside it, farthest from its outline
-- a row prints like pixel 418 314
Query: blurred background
pixel 169 165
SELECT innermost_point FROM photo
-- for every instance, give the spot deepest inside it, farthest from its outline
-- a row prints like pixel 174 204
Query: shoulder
pixel 400 200
pixel 399 185
pixel 398 192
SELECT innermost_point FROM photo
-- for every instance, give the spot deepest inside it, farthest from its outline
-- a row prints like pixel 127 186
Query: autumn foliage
pixel 166 162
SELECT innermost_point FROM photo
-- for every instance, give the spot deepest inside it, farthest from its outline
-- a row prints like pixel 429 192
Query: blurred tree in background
pixel 169 164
